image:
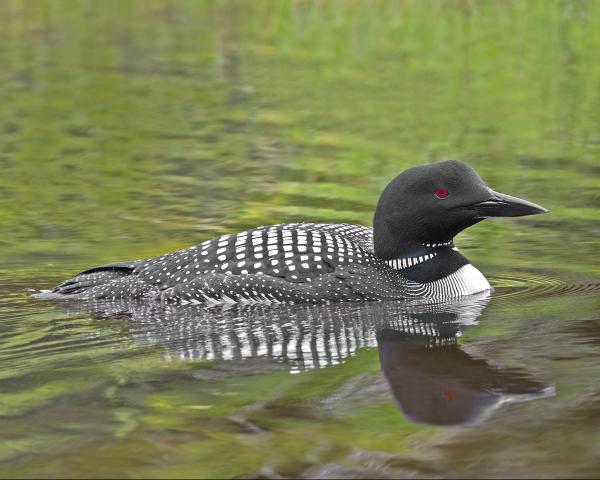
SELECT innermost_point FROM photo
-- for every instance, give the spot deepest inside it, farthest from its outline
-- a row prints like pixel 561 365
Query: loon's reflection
pixel 432 379
pixel 444 385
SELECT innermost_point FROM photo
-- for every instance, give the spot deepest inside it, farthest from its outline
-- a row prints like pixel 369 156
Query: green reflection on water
pixel 128 129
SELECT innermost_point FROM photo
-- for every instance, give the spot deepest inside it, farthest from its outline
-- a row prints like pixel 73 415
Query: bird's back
pixel 278 263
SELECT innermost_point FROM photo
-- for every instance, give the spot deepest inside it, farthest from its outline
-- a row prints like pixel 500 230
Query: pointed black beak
pixel 501 205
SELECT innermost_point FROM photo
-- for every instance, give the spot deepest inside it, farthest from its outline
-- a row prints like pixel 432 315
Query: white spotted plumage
pixel 278 263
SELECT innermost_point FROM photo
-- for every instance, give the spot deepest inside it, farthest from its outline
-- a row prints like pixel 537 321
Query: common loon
pixel 409 252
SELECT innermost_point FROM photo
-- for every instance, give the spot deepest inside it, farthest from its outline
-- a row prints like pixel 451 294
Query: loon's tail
pixel 108 281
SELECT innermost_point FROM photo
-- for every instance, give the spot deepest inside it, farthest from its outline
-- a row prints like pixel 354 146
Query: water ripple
pixel 516 286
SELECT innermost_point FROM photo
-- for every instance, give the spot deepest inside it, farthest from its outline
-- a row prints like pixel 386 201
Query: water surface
pixel 130 129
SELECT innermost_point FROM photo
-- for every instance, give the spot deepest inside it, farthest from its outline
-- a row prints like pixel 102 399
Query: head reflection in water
pixel 441 384
pixel 432 379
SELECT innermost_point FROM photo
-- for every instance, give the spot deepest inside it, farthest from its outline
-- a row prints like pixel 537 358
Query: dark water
pixel 129 129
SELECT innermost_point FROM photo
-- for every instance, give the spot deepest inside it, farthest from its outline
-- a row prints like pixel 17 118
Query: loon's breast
pixel 309 263
pixel 443 273
pixel 467 280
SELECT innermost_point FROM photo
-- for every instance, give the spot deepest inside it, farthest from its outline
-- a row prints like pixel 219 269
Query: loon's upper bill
pixel 409 252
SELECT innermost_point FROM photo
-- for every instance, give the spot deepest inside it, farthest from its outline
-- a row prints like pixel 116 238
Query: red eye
pixel 441 192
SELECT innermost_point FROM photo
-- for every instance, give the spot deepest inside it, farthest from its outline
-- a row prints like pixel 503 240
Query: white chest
pixel 467 280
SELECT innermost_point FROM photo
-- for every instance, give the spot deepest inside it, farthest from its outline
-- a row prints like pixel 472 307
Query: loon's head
pixel 430 204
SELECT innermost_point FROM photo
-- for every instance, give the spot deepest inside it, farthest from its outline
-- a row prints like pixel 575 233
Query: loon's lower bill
pixel 408 253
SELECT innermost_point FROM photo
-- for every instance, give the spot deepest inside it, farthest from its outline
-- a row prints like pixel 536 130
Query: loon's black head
pixel 430 204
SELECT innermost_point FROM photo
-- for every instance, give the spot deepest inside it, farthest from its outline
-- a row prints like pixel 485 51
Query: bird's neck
pixel 429 263
pixel 423 253
pixel 390 242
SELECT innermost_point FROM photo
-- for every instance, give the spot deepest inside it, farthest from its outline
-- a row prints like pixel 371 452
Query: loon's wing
pixel 354 283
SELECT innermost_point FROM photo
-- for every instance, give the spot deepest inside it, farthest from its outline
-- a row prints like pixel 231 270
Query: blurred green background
pixel 129 128
pixel 133 128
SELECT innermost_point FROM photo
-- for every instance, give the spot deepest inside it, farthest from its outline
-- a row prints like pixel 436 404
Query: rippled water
pixel 129 129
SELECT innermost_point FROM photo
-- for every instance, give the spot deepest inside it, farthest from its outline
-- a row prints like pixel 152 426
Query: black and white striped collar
pixel 438 245
pixel 427 253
